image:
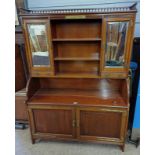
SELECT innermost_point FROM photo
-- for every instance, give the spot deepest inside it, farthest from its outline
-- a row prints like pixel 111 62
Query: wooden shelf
pixel 75 59
pixel 76 39
pixel 76 75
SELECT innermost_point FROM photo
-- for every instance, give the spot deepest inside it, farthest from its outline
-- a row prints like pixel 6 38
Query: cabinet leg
pixel 122 147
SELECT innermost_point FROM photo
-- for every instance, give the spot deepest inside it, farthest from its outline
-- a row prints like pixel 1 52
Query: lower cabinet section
pixel 107 125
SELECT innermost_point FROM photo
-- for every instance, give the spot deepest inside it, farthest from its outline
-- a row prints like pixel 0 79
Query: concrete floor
pixel 24 147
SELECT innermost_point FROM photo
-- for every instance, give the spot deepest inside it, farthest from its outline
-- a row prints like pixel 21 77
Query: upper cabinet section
pixel 86 43
pixel 38 47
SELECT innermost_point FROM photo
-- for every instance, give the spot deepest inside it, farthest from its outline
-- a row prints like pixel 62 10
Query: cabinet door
pixel 118 37
pixel 101 124
pixel 52 122
pixel 39 52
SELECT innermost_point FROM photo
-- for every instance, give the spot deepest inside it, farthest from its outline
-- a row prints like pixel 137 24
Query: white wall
pixel 66 4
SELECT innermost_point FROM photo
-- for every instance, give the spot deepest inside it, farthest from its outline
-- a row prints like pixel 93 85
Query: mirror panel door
pixel 115 44
pixel 39 51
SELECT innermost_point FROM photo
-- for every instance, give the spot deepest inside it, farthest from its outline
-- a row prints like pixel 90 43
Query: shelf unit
pixel 76 53
pixel 80 90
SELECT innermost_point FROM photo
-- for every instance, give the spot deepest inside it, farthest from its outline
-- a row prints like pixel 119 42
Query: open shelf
pixel 76 47
pixel 77 75
pixel 76 68
pixel 75 39
pixel 79 50
pixel 82 29
pixel 76 59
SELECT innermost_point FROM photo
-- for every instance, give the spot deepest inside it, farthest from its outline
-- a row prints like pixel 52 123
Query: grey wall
pixel 66 4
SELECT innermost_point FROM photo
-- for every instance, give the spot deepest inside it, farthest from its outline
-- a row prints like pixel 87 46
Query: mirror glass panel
pixel 115 44
pixel 39 45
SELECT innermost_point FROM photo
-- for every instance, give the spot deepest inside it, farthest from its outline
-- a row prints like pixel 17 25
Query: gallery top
pixel 126 9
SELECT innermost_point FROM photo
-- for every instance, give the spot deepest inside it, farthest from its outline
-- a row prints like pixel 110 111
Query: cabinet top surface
pixel 78 97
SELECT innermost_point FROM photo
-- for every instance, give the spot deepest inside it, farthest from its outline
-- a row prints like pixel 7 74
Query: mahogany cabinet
pixel 78 61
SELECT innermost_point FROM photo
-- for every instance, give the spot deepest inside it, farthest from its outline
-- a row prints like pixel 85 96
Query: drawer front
pixel 101 124
pixel 52 121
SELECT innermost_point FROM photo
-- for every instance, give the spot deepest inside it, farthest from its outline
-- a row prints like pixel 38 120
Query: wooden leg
pixel 122 147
